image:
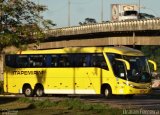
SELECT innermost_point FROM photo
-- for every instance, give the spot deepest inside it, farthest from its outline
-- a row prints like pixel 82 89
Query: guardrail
pixel 134 25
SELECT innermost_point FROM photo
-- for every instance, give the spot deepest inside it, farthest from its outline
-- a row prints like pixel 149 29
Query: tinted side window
pixel 22 61
pixel 98 60
pixel 64 61
pixel 61 60
pixel 36 61
pixel 82 60
pixel 54 60
pixel 10 60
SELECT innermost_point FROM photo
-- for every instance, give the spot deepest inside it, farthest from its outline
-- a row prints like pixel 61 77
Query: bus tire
pixel 39 91
pixel 27 90
pixel 107 92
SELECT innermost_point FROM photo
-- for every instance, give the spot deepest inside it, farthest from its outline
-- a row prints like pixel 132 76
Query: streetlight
pixel 139 6
pixel 69 12
pixel 101 10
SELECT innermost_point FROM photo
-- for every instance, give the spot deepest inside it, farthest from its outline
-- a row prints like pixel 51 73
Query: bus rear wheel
pixel 39 91
pixel 28 92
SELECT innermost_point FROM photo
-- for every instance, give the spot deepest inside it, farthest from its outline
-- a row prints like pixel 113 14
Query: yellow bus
pixel 78 70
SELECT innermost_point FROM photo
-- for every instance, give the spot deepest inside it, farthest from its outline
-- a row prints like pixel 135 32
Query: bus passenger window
pixel 10 60
pixel 54 60
pixel 98 61
pixel 64 61
pixel 22 61
pixel 36 61
pixel 83 60
pixel 47 60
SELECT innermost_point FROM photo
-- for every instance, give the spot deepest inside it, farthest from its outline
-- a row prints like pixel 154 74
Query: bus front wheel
pixel 107 92
pixel 28 91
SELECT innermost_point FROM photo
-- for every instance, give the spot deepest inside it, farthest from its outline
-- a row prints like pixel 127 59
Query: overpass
pixel 135 32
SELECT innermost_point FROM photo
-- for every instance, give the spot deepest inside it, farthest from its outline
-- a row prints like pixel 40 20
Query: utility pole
pixel 101 10
pixel 69 12
pixel 139 6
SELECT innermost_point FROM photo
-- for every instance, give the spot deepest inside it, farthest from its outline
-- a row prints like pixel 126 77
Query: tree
pixel 153 53
pixel 20 22
pixel 88 21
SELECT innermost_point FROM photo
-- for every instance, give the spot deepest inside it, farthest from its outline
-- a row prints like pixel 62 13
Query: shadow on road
pixel 4 100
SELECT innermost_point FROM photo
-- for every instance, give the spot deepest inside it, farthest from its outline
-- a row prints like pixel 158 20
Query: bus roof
pixel 118 50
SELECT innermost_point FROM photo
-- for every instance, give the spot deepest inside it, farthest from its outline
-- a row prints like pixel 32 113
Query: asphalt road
pixel 140 102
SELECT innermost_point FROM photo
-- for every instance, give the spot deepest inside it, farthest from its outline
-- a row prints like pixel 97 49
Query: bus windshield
pixel 139 70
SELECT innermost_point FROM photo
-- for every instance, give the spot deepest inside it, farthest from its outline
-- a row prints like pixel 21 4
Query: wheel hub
pixel 28 92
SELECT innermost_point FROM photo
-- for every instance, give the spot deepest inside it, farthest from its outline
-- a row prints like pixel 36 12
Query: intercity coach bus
pixel 78 70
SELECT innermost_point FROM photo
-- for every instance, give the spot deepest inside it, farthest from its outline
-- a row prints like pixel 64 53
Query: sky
pixel 81 9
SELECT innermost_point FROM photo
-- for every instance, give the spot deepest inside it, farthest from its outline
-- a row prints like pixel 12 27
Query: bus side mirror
pixel 154 64
pixel 126 63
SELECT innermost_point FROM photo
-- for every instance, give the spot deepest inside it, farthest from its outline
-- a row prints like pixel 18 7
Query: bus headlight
pixel 128 84
pixel 131 85
pixel 150 86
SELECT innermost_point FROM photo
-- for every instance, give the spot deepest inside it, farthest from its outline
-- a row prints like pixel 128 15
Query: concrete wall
pixel 134 25
pixel 105 41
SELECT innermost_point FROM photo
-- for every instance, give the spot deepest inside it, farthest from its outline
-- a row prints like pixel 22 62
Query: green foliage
pixel 45 103
pixel 88 21
pixel 153 53
pixel 39 103
pixel 72 104
pixel 21 23
pixel 25 100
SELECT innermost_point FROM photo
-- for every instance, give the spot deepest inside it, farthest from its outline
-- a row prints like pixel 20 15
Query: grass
pixel 38 103
pixel 70 105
